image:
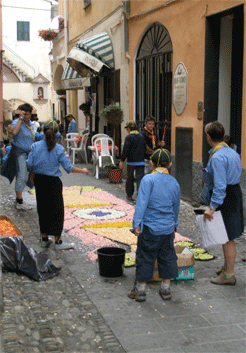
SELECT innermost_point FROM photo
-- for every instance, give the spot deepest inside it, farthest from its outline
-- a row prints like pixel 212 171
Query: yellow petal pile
pixel 122 235
pixel 110 225
pixel 73 198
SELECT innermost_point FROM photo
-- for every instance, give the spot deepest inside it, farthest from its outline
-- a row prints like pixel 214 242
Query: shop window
pixel 23 31
pixel 87 3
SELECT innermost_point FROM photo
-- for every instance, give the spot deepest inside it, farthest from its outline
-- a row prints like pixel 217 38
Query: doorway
pixel 154 81
pixel 224 73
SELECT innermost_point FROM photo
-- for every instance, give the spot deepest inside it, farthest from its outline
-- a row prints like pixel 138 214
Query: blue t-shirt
pixel 42 161
pixel 25 137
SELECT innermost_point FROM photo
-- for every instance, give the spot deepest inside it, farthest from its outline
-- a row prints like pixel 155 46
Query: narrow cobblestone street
pixel 80 311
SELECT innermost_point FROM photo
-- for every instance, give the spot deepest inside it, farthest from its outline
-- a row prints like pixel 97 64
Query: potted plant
pixel 113 114
pixel 114 172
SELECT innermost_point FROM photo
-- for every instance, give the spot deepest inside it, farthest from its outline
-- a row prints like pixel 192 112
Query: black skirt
pixel 50 204
pixel 232 211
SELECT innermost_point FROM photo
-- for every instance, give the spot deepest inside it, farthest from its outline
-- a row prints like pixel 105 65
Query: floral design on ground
pixel 98 227
pixel 98 213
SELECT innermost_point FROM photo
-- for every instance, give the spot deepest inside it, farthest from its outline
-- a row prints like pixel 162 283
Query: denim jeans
pixel 22 175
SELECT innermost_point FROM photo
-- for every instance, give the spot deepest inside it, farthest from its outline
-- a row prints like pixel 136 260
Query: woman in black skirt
pixel 44 162
pixel 224 167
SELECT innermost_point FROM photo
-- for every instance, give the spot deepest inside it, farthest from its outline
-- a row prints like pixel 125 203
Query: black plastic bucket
pixel 199 211
pixel 111 261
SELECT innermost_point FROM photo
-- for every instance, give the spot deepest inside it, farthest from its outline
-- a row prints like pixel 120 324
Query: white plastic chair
pixel 93 155
pixel 96 137
pixel 104 152
pixel 81 148
pixel 70 141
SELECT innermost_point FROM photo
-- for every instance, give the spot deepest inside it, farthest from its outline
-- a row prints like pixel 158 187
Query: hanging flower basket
pixel 85 107
pixel 113 114
pixel 47 34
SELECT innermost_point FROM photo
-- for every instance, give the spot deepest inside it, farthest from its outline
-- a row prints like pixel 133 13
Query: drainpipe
pixel 126 14
pixel 66 49
pixel 1 77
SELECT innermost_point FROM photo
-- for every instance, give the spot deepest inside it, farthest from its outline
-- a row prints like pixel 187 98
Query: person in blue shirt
pixel 42 136
pixel 133 150
pixel 44 162
pixel 154 223
pixel 224 167
pixel 72 127
pixel 15 164
pixel 37 135
pixel 58 137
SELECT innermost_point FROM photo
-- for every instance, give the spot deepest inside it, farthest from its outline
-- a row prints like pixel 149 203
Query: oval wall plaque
pixel 180 79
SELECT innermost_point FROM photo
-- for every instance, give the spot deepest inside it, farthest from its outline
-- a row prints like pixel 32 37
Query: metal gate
pixel 154 81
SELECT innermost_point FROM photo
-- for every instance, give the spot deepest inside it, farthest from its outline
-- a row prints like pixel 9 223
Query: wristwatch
pixel 212 208
pixel 21 118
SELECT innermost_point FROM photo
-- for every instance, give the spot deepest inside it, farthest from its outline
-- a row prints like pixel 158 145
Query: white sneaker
pixel 64 246
pixel 23 206
pixel 46 244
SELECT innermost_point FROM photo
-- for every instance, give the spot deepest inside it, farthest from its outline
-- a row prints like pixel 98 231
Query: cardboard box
pixel 185 263
pixel 18 231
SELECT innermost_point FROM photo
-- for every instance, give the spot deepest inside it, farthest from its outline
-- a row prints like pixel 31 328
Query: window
pixel 23 31
pixel 86 3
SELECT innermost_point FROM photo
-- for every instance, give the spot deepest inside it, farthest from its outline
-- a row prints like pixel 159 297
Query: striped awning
pixel 71 79
pixel 93 55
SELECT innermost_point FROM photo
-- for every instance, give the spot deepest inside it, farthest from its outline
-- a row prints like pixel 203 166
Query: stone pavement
pixel 79 311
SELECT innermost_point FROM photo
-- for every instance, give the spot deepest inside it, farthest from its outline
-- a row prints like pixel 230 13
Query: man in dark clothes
pixel 152 143
pixel 134 151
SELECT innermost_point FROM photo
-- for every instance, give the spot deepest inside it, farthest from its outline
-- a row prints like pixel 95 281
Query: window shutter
pixel 23 31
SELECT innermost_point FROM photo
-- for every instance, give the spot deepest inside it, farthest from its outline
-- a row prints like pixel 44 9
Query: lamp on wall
pixel 1 60
pixel 51 55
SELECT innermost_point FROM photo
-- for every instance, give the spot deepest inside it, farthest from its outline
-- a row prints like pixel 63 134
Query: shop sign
pixel 75 83
pixel 180 83
pixel 72 83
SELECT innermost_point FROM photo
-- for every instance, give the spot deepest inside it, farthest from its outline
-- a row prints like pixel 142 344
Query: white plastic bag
pixel 214 231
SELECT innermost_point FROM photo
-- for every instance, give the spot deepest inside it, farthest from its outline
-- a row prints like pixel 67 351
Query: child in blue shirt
pixel 154 222
pixel 37 135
